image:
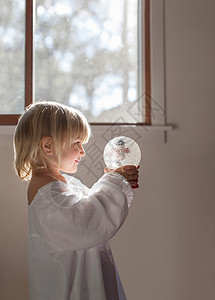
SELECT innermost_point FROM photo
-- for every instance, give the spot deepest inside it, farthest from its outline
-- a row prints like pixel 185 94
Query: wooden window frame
pixel 11 119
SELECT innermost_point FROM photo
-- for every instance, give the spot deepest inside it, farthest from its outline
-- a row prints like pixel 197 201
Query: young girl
pixel 69 224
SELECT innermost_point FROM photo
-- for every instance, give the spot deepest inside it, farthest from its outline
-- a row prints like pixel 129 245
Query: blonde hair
pixel 45 118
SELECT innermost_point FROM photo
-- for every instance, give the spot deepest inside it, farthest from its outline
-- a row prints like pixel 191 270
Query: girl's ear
pixel 47 145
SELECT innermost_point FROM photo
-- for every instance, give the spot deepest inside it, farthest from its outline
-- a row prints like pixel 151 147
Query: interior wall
pixel 166 248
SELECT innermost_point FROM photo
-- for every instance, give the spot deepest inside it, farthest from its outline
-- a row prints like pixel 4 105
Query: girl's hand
pixel 131 173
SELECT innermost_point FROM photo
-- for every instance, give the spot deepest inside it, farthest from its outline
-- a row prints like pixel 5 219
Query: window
pixel 88 53
pixel 12 59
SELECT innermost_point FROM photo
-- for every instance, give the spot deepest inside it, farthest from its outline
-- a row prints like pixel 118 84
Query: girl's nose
pixel 82 151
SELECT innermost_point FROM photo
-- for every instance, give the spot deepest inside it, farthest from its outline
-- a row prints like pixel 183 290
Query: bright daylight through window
pixel 86 54
pixel 12 56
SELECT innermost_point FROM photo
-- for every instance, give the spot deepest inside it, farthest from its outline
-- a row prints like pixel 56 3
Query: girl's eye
pixel 78 144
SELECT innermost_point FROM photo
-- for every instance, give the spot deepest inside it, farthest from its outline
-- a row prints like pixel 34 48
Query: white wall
pixel 166 248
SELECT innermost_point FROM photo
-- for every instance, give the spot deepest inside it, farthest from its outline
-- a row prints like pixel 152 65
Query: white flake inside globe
pixel 121 151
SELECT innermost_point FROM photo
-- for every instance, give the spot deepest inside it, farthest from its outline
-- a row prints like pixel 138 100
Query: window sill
pixel 141 133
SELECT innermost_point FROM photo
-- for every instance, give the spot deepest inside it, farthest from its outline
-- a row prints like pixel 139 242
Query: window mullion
pixel 29 31
pixel 148 120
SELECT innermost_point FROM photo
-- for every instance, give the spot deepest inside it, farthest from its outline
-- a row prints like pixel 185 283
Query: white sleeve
pixel 72 221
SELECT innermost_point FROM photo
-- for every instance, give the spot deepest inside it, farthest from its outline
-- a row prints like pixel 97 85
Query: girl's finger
pixel 129 168
pixel 107 170
pixel 134 184
pixel 130 172
pixel 135 180
pixel 134 173
pixel 135 187
pixel 132 177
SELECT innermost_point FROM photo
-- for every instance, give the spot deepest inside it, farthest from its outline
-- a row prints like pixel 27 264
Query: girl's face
pixel 71 156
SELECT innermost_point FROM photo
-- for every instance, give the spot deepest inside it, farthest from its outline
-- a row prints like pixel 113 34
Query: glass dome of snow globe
pixel 121 151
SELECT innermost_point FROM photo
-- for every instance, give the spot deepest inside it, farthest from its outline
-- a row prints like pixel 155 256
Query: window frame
pixel 144 44
pixel 11 119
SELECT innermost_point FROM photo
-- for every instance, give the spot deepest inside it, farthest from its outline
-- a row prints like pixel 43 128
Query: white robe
pixel 69 228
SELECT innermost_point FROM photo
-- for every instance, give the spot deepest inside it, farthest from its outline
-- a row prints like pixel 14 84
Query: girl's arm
pixel 72 223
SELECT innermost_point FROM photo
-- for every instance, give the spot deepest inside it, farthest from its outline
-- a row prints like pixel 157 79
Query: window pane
pixel 12 60
pixel 86 55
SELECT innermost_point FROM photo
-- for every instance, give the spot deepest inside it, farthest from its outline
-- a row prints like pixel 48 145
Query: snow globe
pixel 121 151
